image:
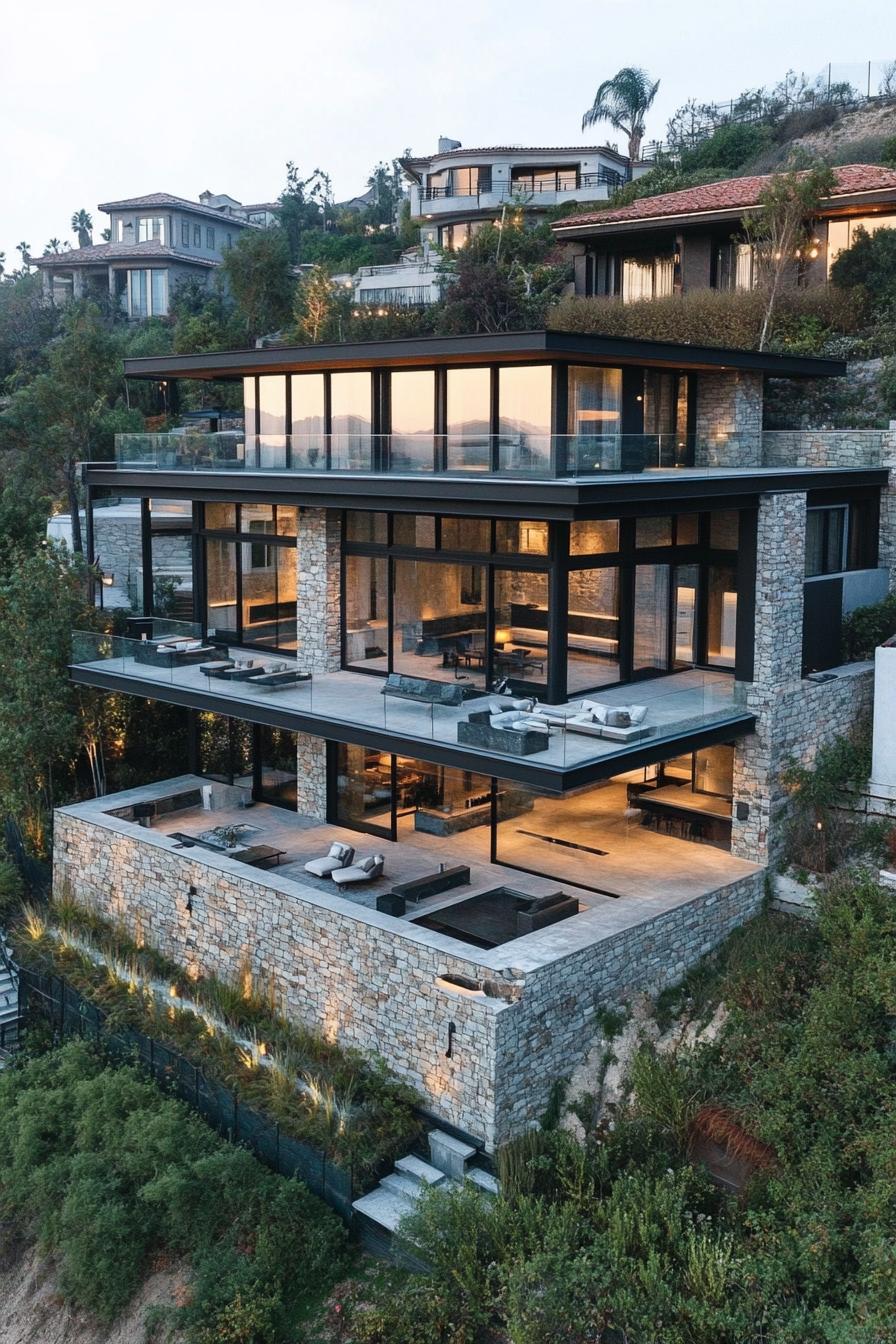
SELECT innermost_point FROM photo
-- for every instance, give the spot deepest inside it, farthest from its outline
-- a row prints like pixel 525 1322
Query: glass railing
pixel 564 736
pixel 523 453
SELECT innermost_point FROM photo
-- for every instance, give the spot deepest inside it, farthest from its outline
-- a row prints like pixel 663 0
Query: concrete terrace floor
pixel 638 865
pixel 682 701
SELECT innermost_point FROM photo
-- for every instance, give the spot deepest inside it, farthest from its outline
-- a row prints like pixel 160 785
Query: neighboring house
pixel 533 616
pixel 156 241
pixel 414 281
pixel 694 239
pixel 454 192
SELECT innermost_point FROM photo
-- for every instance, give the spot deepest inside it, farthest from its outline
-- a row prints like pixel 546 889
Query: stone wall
pixel 311 776
pixel 794 716
pixel 318 590
pixel 377 983
pixel 828 447
pixel 729 419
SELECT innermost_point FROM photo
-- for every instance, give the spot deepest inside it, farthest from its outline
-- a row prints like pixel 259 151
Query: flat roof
pixel 503 347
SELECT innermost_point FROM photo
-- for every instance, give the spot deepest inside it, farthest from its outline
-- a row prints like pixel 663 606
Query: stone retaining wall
pixel 376 983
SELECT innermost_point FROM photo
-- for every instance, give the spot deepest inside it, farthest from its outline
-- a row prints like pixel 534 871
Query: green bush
pixel 871 263
pixel 12 889
pixel 868 627
pixel 106 1171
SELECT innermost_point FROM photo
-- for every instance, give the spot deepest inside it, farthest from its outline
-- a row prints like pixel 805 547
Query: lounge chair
pixel 339 856
pixel 368 870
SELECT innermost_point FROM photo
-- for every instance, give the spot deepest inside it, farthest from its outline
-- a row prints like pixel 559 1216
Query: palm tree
pixel 82 225
pixel 2 264
pixel 53 245
pixel 25 250
pixel 624 102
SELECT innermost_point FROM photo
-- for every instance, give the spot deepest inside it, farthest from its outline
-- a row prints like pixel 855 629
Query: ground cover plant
pixel 623 1238
pixel 112 1176
pixel 333 1098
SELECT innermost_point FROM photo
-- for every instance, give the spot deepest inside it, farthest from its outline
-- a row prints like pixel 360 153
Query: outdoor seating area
pixel 268 676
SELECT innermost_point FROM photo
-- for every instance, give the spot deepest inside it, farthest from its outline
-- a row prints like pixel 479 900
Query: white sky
pixel 110 100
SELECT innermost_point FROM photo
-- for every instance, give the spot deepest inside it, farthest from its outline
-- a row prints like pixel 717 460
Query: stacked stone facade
pixel 794 717
pixel 378 983
pixel 319 590
pixel 729 420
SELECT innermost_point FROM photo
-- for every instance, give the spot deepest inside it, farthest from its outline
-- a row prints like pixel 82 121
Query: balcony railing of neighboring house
pixel 398 296
pixel 503 191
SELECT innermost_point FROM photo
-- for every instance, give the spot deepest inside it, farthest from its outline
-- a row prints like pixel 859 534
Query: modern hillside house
pixel 156 241
pixel 499 647
pixel 456 191
pixel 694 239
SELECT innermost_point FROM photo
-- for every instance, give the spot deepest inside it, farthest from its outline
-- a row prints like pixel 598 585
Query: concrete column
pixel 777 676
pixel 311 784
pixel 318 590
pixel 729 419
pixel 77 283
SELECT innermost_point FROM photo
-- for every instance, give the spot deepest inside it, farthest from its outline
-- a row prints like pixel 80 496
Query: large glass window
pixel 439 620
pixel 151 229
pixel 594 536
pixel 721 623
pixel 524 410
pixel 308 427
pixel 414 529
pixel 364 789
pixel 521 625
pixel 370 527
pixel 826 540
pixel 842 232
pixel 224 749
pixel 592 644
pixel 468 419
pixel 646 278
pixel 466 534
pixel 272 422
pixel 684 615
pixel 147 292
pixel 561 178
pixel 594 417
pixel 351 411
pixel 367 612
pixel 651 619
pixel 249 407
pixel 276 763
pixel 521 538
pixel 413 406
pixel 221 589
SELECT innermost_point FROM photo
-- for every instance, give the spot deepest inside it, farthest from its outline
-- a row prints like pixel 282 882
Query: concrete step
pixel 484 1181
pixel 449 1155
pixel 419 1171
pixel 402 1185
pixel 385 1207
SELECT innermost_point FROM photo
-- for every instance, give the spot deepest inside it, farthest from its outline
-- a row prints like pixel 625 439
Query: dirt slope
pixel 32 1311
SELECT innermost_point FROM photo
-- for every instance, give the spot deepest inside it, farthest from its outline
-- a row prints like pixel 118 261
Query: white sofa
pixel 618 723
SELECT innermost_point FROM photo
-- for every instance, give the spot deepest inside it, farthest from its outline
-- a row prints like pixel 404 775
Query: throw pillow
pixel 618 718
pixel 638 713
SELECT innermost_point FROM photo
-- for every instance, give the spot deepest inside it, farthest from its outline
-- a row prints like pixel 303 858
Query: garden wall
pixel 376 983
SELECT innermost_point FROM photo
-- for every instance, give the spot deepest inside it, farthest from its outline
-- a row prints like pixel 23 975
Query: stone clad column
pixel 729 419
pixel 775 691
pixel 311 782
pixel 318 590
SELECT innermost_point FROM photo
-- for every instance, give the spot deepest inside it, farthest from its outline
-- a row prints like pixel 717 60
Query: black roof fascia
pixel 519 770
pixel 515 345
pixel 493 496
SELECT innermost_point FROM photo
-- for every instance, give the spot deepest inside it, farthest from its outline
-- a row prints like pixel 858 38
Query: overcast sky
pixel 110 100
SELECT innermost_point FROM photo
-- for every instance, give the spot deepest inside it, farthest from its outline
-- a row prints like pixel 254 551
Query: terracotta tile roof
pixel 101 254
pixel 736 193
pixel 164 200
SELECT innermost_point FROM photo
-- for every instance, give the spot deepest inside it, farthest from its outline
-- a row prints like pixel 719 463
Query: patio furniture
pixel 368 870
pixel 214 668
pixel 172 653
pixel 262 856
pixel 424 691
pixel 278 679
pixel 617 723
pixel 513 733
pixel 434 884
pixel 243 671
pixel 339 855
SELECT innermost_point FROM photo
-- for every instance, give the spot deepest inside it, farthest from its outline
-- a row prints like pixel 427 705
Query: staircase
pixel 9 1003
pixel 451 1164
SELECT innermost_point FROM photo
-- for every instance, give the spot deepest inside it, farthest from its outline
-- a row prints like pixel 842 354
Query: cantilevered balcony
pixel 682 709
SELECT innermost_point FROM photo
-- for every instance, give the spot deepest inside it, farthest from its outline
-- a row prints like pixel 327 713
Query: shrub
pixel 106 1170
pixel 886 382
pixel 820 833
pixel 871 263
pixel 868 627
pixel 12 889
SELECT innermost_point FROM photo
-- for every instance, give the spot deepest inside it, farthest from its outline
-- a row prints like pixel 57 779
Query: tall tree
pixel 82 226
pixel 258 274
pixel 54 245
pixel 624 102
pixel 780 232
pixel 67 414
pixel 314 306
pixel 306 205
pixel 24 249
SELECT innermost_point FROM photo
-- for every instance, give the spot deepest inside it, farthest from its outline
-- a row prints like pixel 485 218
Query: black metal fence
pixel 43 995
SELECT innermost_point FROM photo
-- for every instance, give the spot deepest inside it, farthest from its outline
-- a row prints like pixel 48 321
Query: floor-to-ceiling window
pixel 249 564
pixel 525 417
pixel 468 419
pixel 594 419
pixel 413 420
pixel 276 766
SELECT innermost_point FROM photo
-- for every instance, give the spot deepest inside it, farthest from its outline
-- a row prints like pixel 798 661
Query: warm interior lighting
pixel 503 635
